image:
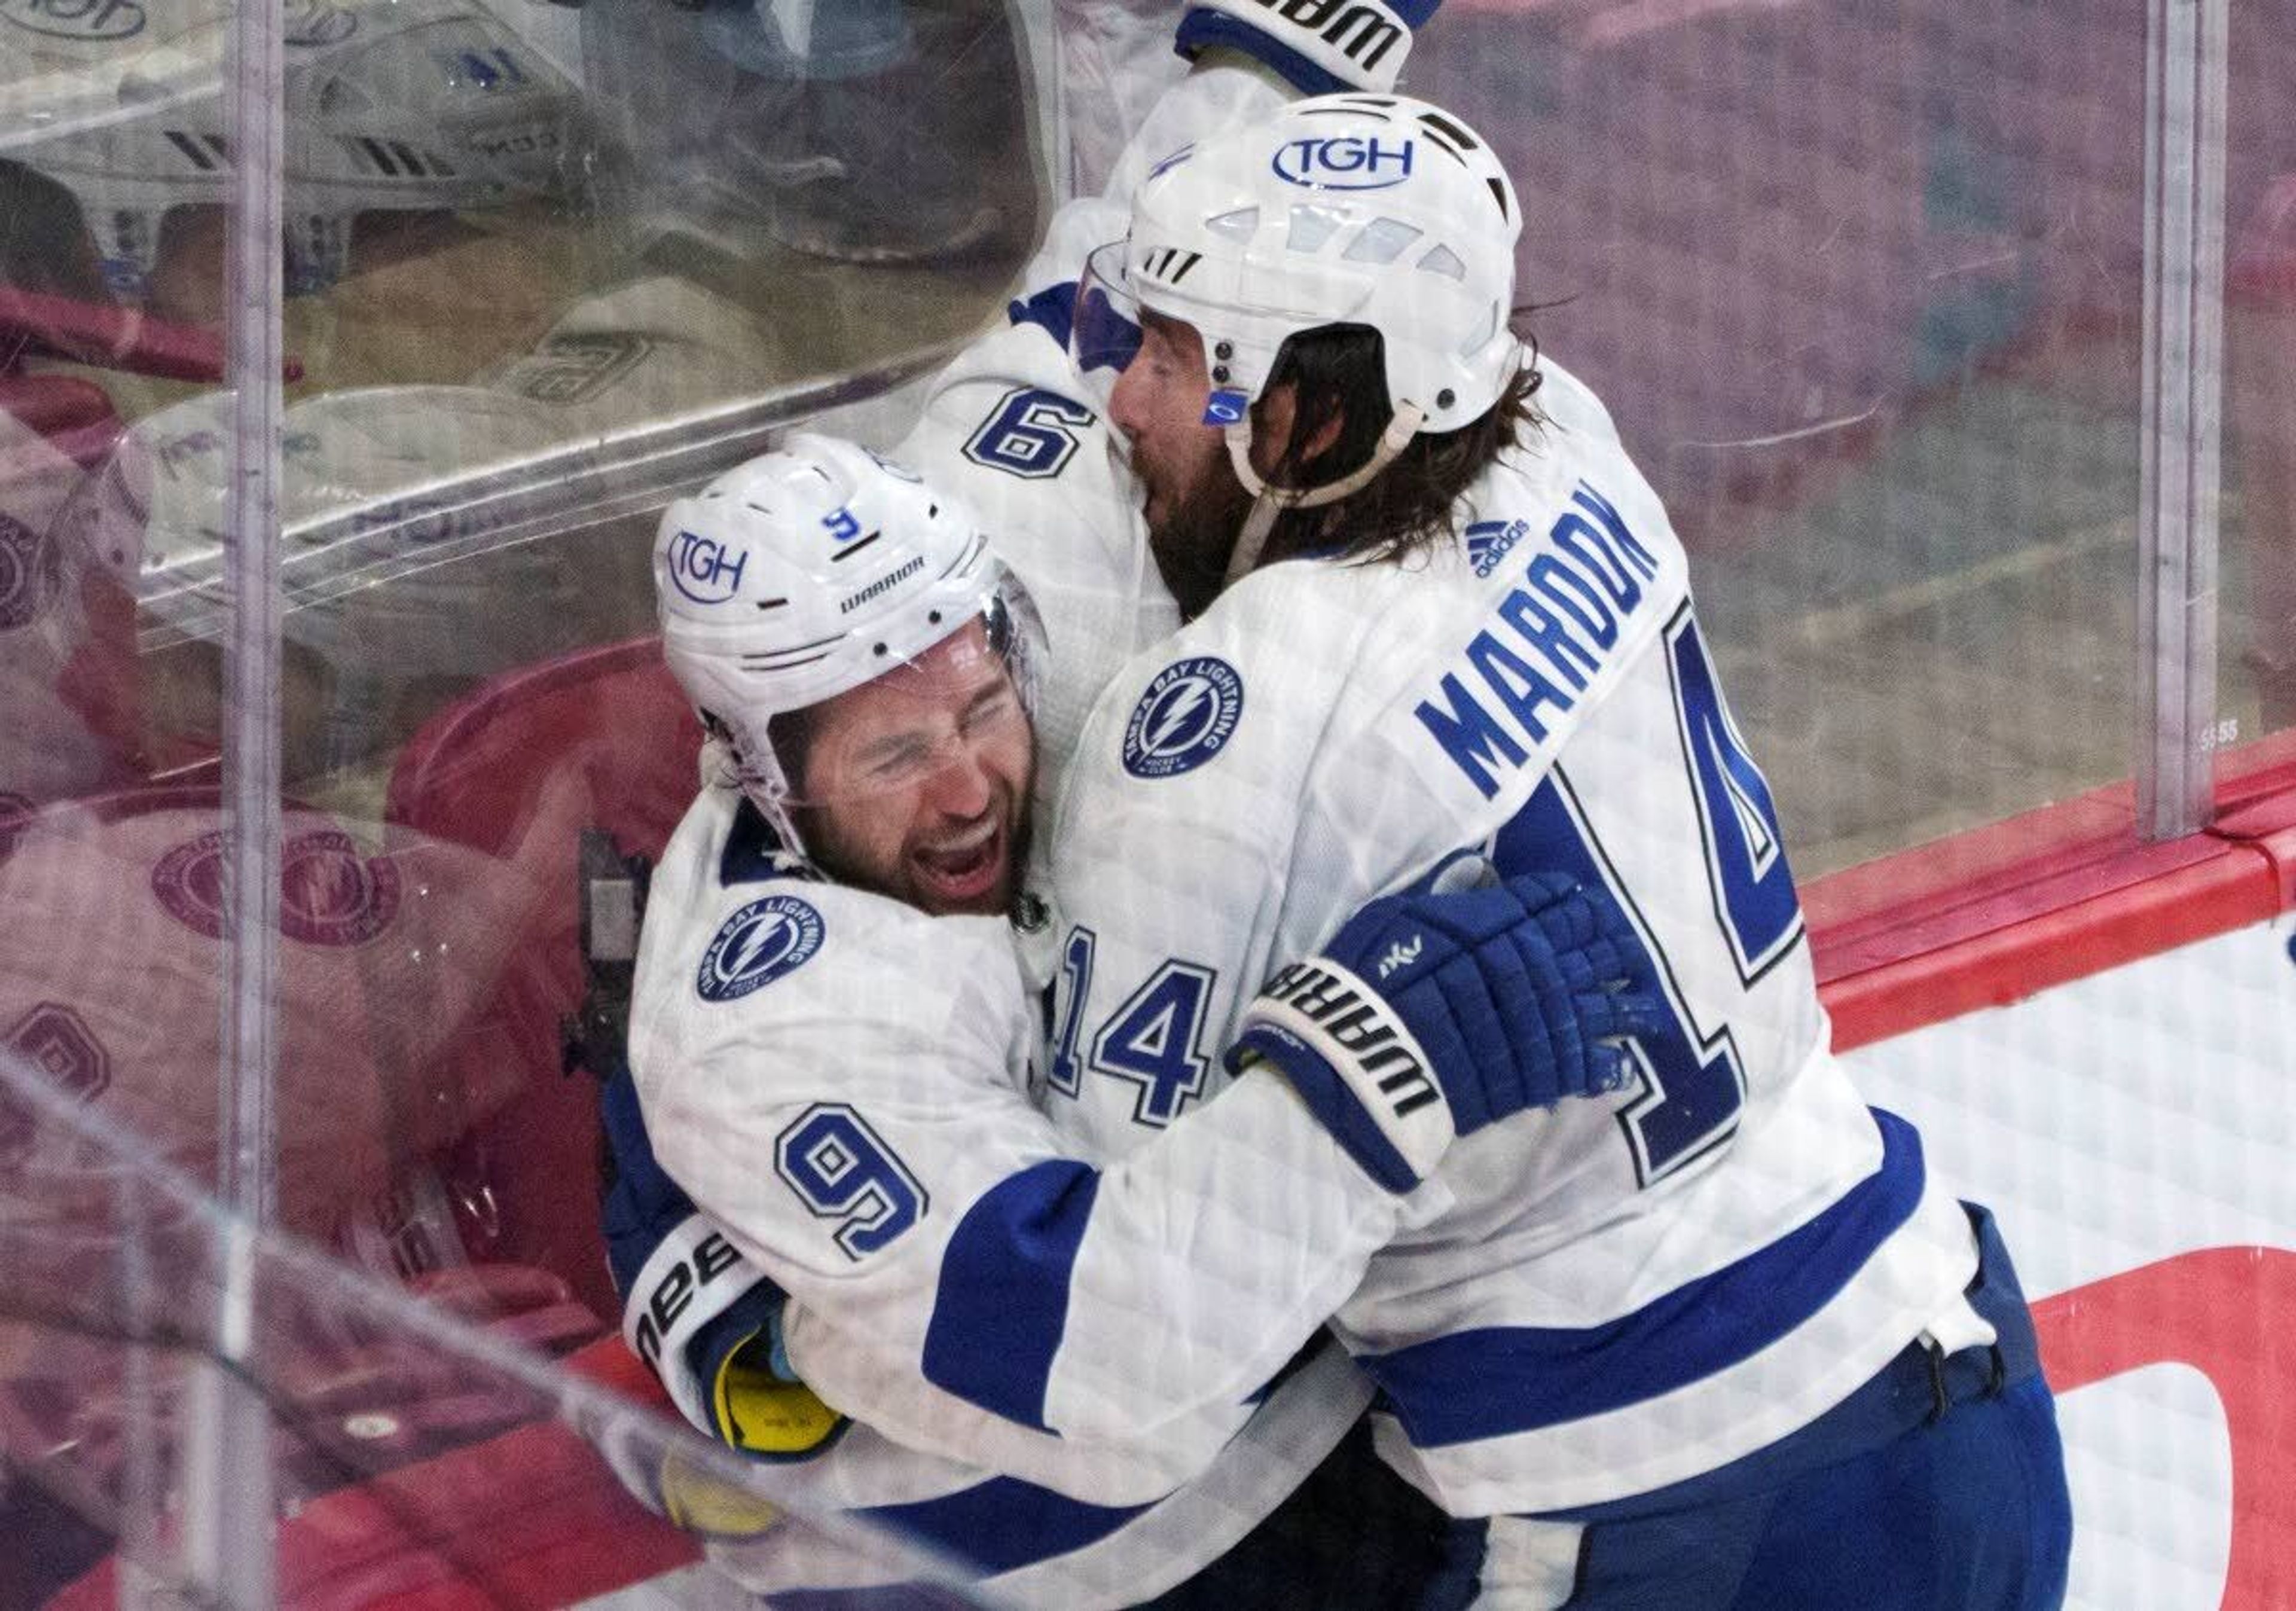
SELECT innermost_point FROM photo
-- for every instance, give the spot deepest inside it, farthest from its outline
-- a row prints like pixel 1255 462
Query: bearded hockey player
pixel 833 1042
pixel 1717 1339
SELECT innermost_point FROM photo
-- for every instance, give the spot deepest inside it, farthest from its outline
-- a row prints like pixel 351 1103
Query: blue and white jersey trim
pixel 1038 1551
pixel 1497 1379
pixel 1004 1297
pixel 1515 1420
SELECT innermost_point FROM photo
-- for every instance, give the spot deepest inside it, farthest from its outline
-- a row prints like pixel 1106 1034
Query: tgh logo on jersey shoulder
pixel 757 945
pixel 1185 718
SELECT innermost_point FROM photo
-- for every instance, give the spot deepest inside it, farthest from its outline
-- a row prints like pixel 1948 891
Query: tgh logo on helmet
pixel 706 571
pixel 1344 162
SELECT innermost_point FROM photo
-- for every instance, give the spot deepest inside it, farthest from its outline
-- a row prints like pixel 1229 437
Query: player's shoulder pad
pixel 1312 607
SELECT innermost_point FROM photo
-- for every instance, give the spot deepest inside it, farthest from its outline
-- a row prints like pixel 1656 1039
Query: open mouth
pixel 966 868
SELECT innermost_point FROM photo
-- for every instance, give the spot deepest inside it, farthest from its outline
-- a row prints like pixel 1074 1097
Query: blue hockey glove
pixel 1431 1016
pixel 1320 47
pixel 704 1319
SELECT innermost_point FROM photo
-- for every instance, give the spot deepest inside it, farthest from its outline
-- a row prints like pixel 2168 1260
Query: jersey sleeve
pixel 956 1278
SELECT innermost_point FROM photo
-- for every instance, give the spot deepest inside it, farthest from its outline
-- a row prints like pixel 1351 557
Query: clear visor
pixel 969 700
pixel 1105 331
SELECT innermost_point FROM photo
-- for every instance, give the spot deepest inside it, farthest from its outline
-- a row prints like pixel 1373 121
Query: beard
pixel 1193 539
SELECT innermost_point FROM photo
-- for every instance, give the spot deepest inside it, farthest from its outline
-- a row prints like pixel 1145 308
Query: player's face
pixel 1194 505
pixel 916 785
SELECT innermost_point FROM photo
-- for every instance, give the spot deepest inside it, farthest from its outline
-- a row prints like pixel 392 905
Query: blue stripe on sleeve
pixel 1502 1379
pixel 643 1204
pixel 1003 1523
pixel 1004 1298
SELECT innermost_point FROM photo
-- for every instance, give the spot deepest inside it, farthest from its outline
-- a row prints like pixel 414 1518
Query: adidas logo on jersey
pixel 1487 542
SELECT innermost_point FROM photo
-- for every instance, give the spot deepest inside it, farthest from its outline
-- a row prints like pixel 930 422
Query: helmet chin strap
pixel 764 788
pixel 1269 501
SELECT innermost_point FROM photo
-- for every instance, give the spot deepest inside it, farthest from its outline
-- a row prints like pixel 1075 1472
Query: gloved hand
pixel 1431 1015
pixel 1319 46
pixel 704 1319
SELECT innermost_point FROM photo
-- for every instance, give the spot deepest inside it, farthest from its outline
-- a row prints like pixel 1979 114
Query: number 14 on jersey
pixel 1154 1039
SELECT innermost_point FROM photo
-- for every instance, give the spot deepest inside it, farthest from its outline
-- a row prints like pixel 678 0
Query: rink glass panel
pixel 1864 291
pixel 466 1439
pixel 602 250
pixel 1863 288
pixel 543 269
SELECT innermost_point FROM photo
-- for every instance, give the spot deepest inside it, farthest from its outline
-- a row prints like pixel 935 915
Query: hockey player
pixel 1718 1340
pixel 866 669
pixel 1659 1317
pixel 1721 1342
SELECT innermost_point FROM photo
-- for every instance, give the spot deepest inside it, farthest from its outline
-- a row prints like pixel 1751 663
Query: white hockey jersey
pixel 1013 429
pixel 1627 1292
pixel 840 1083
pixel 924 1029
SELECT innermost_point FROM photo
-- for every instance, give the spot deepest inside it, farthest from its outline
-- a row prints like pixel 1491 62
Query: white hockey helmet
pixel 811 571
pixel 1349 209
pixel 1341 209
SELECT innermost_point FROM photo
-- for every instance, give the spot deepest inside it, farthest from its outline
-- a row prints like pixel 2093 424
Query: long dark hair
pixel 1338 372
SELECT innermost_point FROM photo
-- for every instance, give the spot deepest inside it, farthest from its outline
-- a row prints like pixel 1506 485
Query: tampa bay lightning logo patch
pixel 757 945
pixel 1185 718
